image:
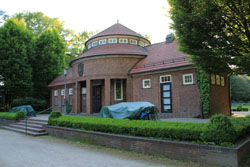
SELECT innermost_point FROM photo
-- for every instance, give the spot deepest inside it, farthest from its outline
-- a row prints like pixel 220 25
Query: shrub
pixel 157 129
pixel 53 115
pixel 37 104
pixel 20 114
pixel 219 130
pixel 11 116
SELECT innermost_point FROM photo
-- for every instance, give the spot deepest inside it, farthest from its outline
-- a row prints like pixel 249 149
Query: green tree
pixel 48 61
pixel 240 88
pixel 3 17
pixel 37 22
pixel 15 71
pixel 216 33
pixel 75 45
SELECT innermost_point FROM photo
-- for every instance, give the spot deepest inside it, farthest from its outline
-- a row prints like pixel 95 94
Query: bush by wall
pixel 12 116
pixel 220 130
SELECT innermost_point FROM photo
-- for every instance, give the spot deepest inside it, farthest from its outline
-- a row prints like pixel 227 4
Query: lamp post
pixel 65 92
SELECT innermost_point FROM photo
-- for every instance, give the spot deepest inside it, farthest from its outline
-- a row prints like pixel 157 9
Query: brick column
pixel 74 107
pixel 107 91
pixel 78 97
pixel 88 96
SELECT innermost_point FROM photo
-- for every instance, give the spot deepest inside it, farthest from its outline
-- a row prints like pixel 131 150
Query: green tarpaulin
pixel 131 110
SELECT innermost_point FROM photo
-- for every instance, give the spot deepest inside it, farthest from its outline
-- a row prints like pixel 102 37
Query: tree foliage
pixel 75 45
pixel 37 22
pixel 48 61
pixel 240 88
pixel 15 71
pixel 216 33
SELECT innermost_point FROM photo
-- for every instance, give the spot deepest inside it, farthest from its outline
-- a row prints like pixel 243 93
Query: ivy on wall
pixel 203 82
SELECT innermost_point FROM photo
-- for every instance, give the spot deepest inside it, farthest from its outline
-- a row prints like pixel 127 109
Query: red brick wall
pixel 185 98
pixel 59 97
pixel 220 98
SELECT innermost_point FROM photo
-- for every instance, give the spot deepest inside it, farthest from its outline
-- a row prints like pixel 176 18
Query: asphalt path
pixel 19 150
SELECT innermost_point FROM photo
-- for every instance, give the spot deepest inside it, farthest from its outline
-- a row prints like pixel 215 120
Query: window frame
pixel 112 40
pixel 115 95
pixel 213 79
pixel 55 97
pixel 123 40
pixel 102 42
pixel 143 83
pixel 165 81
pixel 94 44
pixel 70 91
pixel 184 81
pixel 133 43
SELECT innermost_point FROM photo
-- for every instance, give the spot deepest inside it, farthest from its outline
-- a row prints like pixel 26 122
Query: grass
pixel 243 104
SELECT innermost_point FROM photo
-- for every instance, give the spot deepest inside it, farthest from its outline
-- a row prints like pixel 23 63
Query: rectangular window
pixel 123 40
pixel 222 81
pixel 217 80
pixel 62 100
pixel 71 91
pixel 102 42
pixel 62 92
pixel 133 42
pixel 94 44
pixel 165 79
pixel 55 97
pixel 89 46
pixel 112 40
pixel 70 100
pixel 213 79
pixel 187 79
pixel 146 83
pixel 118 89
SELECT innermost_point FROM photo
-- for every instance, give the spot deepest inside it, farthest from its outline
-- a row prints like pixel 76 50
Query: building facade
pixel 123 66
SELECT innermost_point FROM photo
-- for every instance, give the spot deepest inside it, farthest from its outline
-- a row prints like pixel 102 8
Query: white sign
pixel 83 91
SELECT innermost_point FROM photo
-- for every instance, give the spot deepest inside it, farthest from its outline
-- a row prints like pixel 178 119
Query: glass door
pixel 166 97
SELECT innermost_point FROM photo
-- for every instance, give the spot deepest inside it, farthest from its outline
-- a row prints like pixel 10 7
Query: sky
pixel 143 16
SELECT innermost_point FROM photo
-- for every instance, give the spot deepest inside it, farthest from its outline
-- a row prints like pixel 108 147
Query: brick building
pixel 121 65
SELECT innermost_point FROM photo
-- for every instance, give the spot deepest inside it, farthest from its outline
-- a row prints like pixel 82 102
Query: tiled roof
pixel 114 49
pixel 60 79
pixel 161 56
pixel 117 29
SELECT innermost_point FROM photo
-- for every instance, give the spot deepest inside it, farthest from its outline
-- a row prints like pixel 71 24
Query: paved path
pixel 18 150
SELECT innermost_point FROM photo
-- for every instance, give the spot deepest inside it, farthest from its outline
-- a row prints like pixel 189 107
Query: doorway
pixel 97 98
pixel 166 97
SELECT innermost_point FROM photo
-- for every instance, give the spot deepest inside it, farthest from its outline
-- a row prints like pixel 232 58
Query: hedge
pixel 12 116
pixel 220 130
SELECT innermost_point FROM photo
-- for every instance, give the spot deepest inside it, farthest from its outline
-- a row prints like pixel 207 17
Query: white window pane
pixel 166 94
pixel 166 107
pixel 166 101
pixel 166 87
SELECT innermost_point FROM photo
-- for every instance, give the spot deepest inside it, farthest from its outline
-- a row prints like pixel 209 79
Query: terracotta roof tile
pixel 60 79
pixel 117 29
pixel 113 49
pixel 161 56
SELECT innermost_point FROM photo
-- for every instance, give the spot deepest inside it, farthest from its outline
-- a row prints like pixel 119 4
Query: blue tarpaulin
pixel 27 109
pixel 131 110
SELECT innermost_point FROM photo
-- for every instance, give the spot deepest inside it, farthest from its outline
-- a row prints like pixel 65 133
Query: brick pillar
pixel 78 91
pixel 129 89
pixel 88 96
pixel 74 107
pixel 107 91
